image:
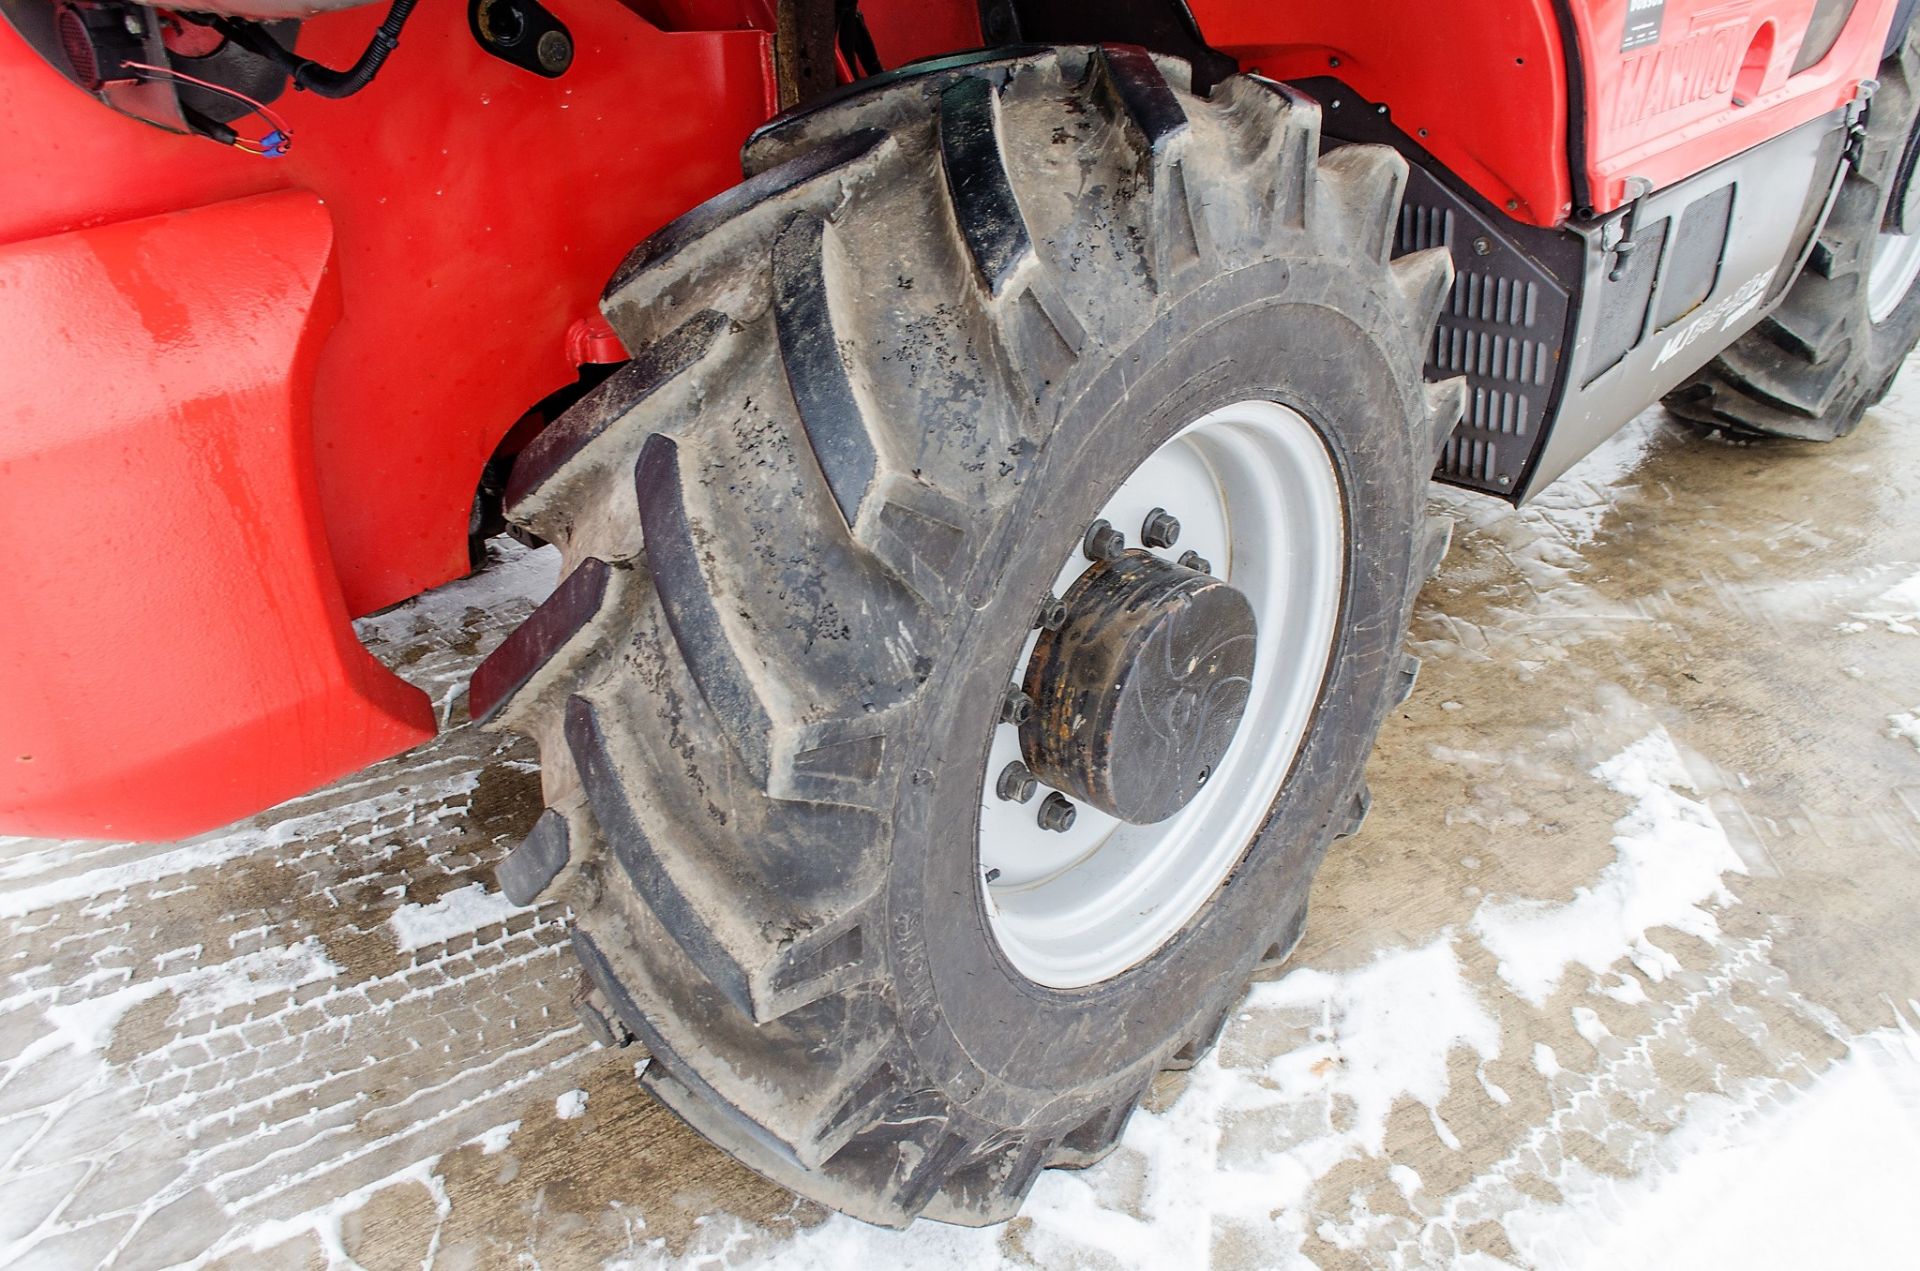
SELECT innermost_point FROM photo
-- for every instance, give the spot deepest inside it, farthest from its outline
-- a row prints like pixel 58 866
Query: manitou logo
pixel 1668 76
pixel 1720 317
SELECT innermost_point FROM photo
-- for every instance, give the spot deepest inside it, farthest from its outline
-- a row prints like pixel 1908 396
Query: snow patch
pixel 1818 1178
pixel 326 1224
pixel 1671 854
pixel 571 1106
pixel 1898 608
pixel 1321 1059
pixel 1906 724
pixel 494 1140
pixel 457 913
pixel 88 1025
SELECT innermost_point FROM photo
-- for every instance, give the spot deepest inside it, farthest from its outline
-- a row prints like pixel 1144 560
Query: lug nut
pixel 1016 783
pixel 1103 542
pixel 1053 614
pixel 1196 562
pixel 1160 529
pixel 1015 707
pixel 1057 813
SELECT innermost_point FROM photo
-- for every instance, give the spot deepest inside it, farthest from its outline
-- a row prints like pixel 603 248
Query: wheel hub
pixel 1138 694
pixel 1233 527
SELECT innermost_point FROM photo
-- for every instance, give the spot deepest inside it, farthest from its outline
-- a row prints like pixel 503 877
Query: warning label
pixel 1643 23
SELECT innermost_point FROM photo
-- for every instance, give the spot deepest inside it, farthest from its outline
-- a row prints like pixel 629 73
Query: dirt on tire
pixel 878 390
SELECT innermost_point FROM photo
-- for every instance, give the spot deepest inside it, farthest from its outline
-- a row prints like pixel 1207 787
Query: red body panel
pixel 176 649
pixel 1482 85
pixel 1669 109
pixel 1487 87
pixel 175 652
pixel 478 210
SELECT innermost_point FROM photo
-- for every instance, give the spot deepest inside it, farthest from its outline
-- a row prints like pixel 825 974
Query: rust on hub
pixel 1137 696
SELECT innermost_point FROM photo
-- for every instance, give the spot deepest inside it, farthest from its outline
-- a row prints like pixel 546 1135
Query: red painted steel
pixel 180 666
pixel 478 210
pixel 1667 110
pixel 1485 87
pixel 175 651
pixel 1481 85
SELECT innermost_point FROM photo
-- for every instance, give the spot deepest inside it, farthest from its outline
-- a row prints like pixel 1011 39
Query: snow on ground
pixel 458 913
pixel 1260 1124
pixel 1906 724
pixel 1820 1177
pixel 1672 853
pixel 1897 608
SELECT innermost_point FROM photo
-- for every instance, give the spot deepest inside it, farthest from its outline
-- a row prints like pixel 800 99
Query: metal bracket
pixel 1617 234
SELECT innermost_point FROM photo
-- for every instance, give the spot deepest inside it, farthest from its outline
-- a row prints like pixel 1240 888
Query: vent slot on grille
pixel 1503 328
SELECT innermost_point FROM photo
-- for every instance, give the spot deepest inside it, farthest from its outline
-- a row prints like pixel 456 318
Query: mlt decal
pixel 1719 317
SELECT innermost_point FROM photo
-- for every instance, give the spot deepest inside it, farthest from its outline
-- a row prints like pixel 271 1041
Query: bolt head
pixel 1053 614
pixel 1057 813
pixel 1016 783
pixel 1015 707
pixel 555 52
pixel 1103 542
pixel 1160 529
pixel 1196 562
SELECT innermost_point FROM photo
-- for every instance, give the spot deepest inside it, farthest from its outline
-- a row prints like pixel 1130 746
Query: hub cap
pixel 1164 709
pixel 1138 694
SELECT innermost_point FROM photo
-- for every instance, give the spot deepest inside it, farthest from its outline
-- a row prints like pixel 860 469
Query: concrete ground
pixel 1643 869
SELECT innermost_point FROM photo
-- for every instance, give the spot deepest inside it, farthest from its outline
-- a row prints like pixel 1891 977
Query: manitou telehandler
pixel 990 518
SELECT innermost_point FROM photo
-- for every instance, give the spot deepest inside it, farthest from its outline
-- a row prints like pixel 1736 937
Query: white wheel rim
pixel 1896 263
pixel 1256 495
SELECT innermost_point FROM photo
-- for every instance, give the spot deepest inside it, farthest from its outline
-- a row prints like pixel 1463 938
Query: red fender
pixel 175 651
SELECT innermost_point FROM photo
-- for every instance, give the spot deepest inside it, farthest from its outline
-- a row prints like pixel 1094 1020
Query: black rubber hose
pixel 312 76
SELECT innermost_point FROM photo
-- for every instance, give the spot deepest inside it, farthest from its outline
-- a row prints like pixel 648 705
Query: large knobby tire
pixel 878 392
pixel 1814 366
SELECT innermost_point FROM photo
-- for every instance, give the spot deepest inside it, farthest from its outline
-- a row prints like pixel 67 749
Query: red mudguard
pixel 174 651
pixel 233 426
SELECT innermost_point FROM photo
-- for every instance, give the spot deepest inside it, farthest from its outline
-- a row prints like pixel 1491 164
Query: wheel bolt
pixel 1053 614
pixel 1196 562
pixel 1160 529
pixel 1057 813
pixel 1015 707
pixel 1017 783
pixel 1103 542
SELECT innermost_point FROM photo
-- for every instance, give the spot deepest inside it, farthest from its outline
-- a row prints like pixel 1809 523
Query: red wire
pixel 274 121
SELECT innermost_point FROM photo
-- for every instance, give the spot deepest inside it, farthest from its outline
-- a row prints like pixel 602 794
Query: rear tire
pixel 1833 347
pixel 880 392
